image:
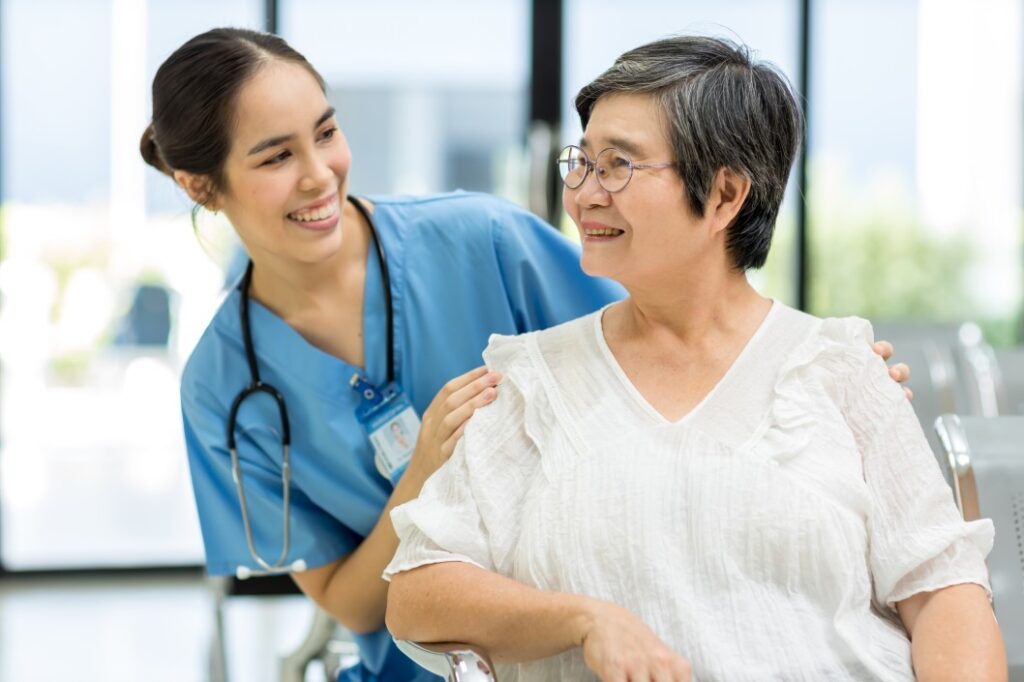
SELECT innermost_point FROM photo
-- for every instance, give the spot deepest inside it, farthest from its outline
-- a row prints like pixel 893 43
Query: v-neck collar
pixel 282 349
pixel 638 398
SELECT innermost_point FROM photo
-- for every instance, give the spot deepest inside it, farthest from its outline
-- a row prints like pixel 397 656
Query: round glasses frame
pixel 609 177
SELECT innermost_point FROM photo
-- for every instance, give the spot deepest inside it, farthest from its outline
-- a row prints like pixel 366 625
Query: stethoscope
pixel 258 386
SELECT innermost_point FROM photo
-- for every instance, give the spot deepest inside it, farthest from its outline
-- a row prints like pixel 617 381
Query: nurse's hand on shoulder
pixel 899 372
pixel 618 647
pixel 447 415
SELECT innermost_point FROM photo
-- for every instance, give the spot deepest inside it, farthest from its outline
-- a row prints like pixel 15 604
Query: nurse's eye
pixel 277 158
pixel 328 134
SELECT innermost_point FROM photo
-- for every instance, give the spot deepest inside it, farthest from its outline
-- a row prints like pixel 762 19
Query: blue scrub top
pixel 463 266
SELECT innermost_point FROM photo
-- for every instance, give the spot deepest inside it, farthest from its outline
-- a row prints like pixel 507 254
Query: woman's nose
pixel 591 193
pixel 316 174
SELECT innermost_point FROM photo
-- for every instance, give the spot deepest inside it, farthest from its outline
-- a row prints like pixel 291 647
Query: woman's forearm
pixel 954 635
pixel 459 602
pixel 351 589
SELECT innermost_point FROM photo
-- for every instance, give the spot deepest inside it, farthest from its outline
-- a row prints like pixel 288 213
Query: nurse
pixel 351 311
pixel 241 122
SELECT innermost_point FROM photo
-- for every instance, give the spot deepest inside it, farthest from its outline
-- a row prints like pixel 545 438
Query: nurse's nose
pixel 316 174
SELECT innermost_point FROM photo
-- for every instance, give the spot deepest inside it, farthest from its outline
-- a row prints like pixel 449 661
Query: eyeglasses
pixel 612 168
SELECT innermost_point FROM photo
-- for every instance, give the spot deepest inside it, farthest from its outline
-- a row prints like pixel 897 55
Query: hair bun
pixel 150 152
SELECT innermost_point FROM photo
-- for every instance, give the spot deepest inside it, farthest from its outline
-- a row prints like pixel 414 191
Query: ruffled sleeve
pixel 469 509
pixel 918 542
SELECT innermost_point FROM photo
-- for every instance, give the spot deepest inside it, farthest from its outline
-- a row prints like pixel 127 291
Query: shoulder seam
pixel 433 198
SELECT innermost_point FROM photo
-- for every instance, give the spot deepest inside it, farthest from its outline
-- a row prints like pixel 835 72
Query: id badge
pixel 390 422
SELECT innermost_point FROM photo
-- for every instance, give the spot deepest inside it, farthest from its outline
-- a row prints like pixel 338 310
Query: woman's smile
pixel 592 231
pixel 320 216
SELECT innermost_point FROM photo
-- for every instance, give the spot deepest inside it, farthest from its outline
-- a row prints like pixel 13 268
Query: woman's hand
pixel 899 372
pixel 618 647
pixel 446 417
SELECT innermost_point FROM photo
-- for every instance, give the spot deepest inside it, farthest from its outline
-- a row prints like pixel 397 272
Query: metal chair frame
pixel 990 481
pixel 454 662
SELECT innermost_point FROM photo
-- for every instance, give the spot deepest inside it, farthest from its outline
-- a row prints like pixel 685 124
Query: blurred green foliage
pixel 884 270
pixel 880 262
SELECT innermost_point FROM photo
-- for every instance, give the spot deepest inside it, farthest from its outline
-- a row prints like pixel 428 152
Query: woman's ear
pixel 199 188
pixel 728 192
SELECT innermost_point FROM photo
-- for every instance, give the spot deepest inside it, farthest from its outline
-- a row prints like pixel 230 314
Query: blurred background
pixel 906 209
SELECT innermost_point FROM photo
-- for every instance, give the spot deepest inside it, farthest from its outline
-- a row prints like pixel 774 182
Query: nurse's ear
pixel 200 189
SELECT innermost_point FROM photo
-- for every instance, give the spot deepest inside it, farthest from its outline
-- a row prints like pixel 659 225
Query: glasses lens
pixel 613 169
pixel 572 165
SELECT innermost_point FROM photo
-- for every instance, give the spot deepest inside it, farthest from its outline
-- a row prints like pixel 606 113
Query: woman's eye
pixel 278 158
pixel 328 134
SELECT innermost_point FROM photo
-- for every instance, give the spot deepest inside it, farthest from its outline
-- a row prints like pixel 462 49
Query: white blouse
pixel 767 535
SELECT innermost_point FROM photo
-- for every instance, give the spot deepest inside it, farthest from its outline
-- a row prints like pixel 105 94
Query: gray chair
pixel 987 458
pixel 1010 363
pixel 960 368
pixel 953 371
pixel 982 380
pixel 453 662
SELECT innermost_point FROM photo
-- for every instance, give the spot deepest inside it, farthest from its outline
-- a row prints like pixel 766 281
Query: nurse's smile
pixel 319 216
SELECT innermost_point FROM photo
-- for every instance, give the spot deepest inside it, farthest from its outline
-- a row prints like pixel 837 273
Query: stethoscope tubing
pixel 256 385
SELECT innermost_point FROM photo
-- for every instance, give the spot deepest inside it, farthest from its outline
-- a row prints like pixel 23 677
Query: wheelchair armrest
pixel 453 661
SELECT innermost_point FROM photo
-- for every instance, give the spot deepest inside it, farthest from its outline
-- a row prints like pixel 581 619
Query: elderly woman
pixel 696 480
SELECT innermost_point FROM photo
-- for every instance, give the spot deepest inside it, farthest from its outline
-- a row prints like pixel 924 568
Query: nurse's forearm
pixel 459 602
pixel 954 635
pixel 351 589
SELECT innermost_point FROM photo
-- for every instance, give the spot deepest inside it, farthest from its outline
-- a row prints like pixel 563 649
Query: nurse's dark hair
pixel 194 95
pixel 723 110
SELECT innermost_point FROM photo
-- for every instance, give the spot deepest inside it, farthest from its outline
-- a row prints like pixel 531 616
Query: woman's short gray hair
pixel 724 110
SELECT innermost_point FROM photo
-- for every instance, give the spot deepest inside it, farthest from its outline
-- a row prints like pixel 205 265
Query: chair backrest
pixel 987 456
pixel 1010 362
pixel 953 371
pixel 959 364
pixel 982 380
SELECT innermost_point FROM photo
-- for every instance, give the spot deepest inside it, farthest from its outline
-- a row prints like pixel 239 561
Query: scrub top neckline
pixel 279 346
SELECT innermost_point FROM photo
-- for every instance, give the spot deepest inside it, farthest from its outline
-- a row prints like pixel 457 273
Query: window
pixel 431 96
pixel 915 161
pixel 104 288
